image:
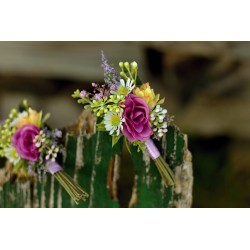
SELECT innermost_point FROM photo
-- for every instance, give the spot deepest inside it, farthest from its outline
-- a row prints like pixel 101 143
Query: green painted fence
pixel 95 165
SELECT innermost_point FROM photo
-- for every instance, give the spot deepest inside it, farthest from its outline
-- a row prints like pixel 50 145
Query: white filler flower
pixel 113 122
pixel 124 88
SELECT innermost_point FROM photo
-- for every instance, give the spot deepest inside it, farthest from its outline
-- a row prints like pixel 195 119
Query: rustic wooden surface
pixel 149 189
pixel 94 164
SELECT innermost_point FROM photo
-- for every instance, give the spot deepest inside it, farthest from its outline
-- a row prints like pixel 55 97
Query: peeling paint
pixel 164 145
pixel 5 173
pixel 113 176
pixel 134 197
pixel 92 188
pixel 184 177
pixel 25 192
pixel 79 153
pixel 146 159
pixel 43 195
pixel 98 156
pixel 36 198
pixel 79 161
pixel 150 189
pixel 59 197
pixel 162 189
pixel 172 200
pixel 116 175
pixel 11 196
pixel 96 162
pixel 51 195
pixel 147 178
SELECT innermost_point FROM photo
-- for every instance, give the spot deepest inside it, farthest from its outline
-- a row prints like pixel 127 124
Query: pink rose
pixel 23 142
pixel 136 126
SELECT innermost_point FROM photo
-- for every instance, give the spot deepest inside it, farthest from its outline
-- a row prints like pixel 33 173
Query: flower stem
pixel 165 171
pixel 72 188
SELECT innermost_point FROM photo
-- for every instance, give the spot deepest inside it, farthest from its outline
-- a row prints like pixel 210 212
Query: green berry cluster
pixel 6 131
pixel 115 103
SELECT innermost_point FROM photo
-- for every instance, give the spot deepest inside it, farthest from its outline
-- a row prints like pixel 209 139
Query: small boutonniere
pixel 33 148
pixel 127 107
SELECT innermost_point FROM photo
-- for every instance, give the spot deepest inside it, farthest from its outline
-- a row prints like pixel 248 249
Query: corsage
pixel 127 107
pixel 33 148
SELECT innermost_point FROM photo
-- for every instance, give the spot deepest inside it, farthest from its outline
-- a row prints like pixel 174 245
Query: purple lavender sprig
pixel 110 74
pixel 100 91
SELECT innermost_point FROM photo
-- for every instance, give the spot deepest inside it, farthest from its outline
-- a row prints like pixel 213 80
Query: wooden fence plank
pixel 149 189
pixel 94 164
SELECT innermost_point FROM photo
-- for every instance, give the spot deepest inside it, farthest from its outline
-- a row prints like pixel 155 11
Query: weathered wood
pixel 15 191
pixel 94 164
pixel 18 191
pixel 149 189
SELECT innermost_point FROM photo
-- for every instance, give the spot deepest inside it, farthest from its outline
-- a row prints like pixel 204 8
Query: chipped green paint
pixel 149 189
pixel 30 193
pixel 94 164
pixel 15 195
pixel 92 171
pixel 88 160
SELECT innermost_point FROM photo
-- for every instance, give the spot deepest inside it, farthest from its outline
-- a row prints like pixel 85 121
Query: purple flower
pixel 98 96
pixel 137 123
pixel 110 74
pixel 23 142
pixel 83 93
pixel 113 87
pixel 57 133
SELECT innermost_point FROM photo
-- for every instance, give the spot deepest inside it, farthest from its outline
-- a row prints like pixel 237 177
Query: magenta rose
pixel 23 142
pixel 136 126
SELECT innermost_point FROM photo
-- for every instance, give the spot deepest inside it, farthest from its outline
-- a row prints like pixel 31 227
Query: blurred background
pixel 206 85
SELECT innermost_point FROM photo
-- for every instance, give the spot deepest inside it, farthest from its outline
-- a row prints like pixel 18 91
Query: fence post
pixel 149 189
pixel 94 164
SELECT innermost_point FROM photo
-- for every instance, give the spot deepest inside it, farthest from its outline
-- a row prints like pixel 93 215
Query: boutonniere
pixel 33 148
pixel 126 107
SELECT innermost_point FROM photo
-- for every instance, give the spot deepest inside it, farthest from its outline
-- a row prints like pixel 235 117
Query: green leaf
pixel 127 145
pixel 138 81
pixel 46 117
pixel 115 139
pixel 161 101
pixel 76 94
